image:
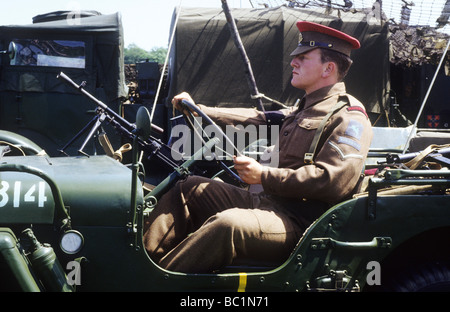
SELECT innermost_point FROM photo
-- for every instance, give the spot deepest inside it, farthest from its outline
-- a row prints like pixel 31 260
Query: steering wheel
pixel 153 196
pixel 191 107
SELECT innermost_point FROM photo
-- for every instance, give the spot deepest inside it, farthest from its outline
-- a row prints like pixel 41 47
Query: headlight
pixel 71 242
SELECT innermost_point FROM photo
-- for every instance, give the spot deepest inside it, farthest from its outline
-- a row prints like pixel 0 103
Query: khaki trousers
pixel 202 225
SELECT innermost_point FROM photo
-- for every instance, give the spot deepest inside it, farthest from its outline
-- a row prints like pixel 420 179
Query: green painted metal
pixel 26 145
pixel 108 209
pixel 16 262
pixel 96 189
pixel 46 265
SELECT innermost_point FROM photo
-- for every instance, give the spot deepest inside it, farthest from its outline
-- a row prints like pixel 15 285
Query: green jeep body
pixel 95 196
pixel 97 205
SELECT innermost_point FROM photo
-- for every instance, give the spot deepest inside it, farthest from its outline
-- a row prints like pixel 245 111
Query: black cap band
pixel 315 44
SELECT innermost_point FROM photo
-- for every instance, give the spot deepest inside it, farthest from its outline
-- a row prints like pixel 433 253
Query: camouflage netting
pixel 419 29
pixel 416 45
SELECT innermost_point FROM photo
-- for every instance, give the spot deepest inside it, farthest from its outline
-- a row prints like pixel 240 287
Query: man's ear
pixel 329 69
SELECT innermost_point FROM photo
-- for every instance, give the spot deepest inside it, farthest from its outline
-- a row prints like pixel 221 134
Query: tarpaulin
pixel 205 62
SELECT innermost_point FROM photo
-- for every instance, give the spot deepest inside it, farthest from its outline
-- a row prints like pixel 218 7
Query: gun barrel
pixel 129 126
pixel 402 158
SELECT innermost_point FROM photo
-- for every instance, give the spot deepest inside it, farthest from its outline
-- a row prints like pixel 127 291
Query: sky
pixel 145 22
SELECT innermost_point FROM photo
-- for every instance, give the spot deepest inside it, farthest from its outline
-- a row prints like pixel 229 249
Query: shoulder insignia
pixel 358 109
pixel 354 129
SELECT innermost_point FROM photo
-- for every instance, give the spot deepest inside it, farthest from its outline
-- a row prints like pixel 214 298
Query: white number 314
pixel 29 195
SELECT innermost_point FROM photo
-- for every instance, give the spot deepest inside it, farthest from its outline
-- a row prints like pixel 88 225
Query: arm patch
pixel 357 109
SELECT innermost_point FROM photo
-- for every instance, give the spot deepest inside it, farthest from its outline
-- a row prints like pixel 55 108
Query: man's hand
pixel 176 102
pixel 248 169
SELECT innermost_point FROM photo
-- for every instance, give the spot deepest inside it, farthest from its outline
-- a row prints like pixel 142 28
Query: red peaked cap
pixel 313 35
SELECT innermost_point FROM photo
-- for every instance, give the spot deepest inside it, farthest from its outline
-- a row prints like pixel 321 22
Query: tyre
pixel 429 277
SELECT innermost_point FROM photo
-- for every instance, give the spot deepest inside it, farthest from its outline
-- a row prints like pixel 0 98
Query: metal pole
pixel 165 62
pixel 237 40
pixel 414 128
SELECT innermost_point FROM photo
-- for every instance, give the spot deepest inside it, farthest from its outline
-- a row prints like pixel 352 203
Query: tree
pixel 158 54
pixel 134 54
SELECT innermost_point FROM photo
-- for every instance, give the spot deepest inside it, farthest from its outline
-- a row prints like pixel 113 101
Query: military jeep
pixel 75 224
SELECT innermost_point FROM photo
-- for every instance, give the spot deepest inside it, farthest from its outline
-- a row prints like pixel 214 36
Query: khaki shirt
pixel 340 155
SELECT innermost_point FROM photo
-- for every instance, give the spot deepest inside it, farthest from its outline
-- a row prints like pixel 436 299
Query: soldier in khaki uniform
pixel 202 225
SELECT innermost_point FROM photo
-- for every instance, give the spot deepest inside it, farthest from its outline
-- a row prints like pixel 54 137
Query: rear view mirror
pixel 11 50
pixel 143 123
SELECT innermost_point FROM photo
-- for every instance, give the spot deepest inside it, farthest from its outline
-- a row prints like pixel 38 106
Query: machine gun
pixel 103 113
pixel 147 143
pixel 438 154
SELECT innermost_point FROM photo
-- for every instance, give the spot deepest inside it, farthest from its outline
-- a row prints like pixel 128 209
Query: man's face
pixel 307 70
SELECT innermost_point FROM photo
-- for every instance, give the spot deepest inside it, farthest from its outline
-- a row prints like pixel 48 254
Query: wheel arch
pixel 423 249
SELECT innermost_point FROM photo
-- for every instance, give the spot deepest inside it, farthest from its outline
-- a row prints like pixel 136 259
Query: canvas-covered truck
pixel 88 46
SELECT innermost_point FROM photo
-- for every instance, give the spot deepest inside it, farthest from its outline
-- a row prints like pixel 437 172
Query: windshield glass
pixel 54 53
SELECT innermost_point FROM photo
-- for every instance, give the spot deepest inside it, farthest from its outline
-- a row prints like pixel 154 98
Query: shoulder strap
pixel 308 158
